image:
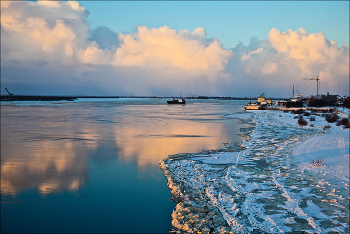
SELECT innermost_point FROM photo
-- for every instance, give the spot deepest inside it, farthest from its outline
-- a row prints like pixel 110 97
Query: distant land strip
pixel 72 98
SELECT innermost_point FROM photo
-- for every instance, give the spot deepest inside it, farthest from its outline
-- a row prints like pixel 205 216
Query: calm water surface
pixel 92 165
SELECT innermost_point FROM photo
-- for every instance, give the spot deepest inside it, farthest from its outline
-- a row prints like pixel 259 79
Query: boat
pixel 261 103
pixel 253 106
pixel 177 101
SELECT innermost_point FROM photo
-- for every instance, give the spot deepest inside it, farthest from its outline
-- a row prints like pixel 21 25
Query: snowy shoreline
pixel 262 184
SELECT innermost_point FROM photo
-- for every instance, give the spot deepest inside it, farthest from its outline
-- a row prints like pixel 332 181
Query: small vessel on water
pixel 253 106
pixel 177 101
pixel 261 103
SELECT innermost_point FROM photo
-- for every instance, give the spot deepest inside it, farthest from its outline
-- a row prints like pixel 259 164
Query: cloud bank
pixel 48 47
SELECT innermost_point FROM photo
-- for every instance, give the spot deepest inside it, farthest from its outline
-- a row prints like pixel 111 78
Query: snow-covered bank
pixel 330 146
pixel 259 185
pixel 333 149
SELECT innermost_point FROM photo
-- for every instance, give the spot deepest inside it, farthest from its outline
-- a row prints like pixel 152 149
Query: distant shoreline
pixel 72 98
pixel 36 98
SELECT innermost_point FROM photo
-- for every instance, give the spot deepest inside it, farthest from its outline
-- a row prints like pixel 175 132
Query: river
pixel 91 165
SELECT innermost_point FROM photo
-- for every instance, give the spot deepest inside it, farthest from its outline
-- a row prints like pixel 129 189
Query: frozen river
pixel 92 165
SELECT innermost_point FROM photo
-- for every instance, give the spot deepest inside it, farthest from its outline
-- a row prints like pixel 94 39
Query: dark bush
pixel 290 104
pixel 317 103
pixel 332 118
pixel 312 118
pixel 345 121
pixel 302 122
pixel 295 117
pixel 326 127
pixel 318 162
pixel 311 125
pixel 299 111
pixel 346 103
pixel 307 114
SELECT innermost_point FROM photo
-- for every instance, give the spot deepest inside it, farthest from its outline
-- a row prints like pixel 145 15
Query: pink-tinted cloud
pixel 153 61
pixel 58 32
pixel 165 47
pixel 285 58
pixel 51 31
pixel 310 49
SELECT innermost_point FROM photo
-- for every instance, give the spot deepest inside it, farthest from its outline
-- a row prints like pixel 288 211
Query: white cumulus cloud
pixel 53 36
pixel 165 47
pixel 285 58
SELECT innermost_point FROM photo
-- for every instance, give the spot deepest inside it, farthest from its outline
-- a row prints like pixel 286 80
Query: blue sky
pixel 219 48
pixel 229 21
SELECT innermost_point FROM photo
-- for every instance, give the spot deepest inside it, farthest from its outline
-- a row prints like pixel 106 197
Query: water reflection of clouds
pixel 48 166
pixel 152 143
pixel 39 150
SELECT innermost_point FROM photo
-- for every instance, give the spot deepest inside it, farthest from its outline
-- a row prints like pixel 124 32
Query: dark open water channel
pixel 92 165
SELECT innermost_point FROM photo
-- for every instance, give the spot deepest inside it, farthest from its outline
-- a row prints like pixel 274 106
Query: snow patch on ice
pixel 219 158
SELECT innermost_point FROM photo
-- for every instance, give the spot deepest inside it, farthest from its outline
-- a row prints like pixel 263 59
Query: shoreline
pixel 188 178
pixel 300 108
pixel 73 97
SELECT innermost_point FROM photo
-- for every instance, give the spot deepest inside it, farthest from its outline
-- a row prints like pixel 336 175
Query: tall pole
pixel 317 79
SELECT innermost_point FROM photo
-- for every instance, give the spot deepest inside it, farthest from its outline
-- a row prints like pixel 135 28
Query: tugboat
pixel 252 106
pixel 177 101
pixel 259 105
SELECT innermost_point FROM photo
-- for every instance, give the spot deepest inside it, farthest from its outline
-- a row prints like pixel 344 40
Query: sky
pixel 162 48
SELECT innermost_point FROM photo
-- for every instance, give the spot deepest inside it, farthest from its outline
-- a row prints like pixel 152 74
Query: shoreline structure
pixel 256 186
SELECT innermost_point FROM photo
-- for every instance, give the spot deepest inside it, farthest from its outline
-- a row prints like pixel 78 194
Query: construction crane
pixel 10 94
pixel 317 79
